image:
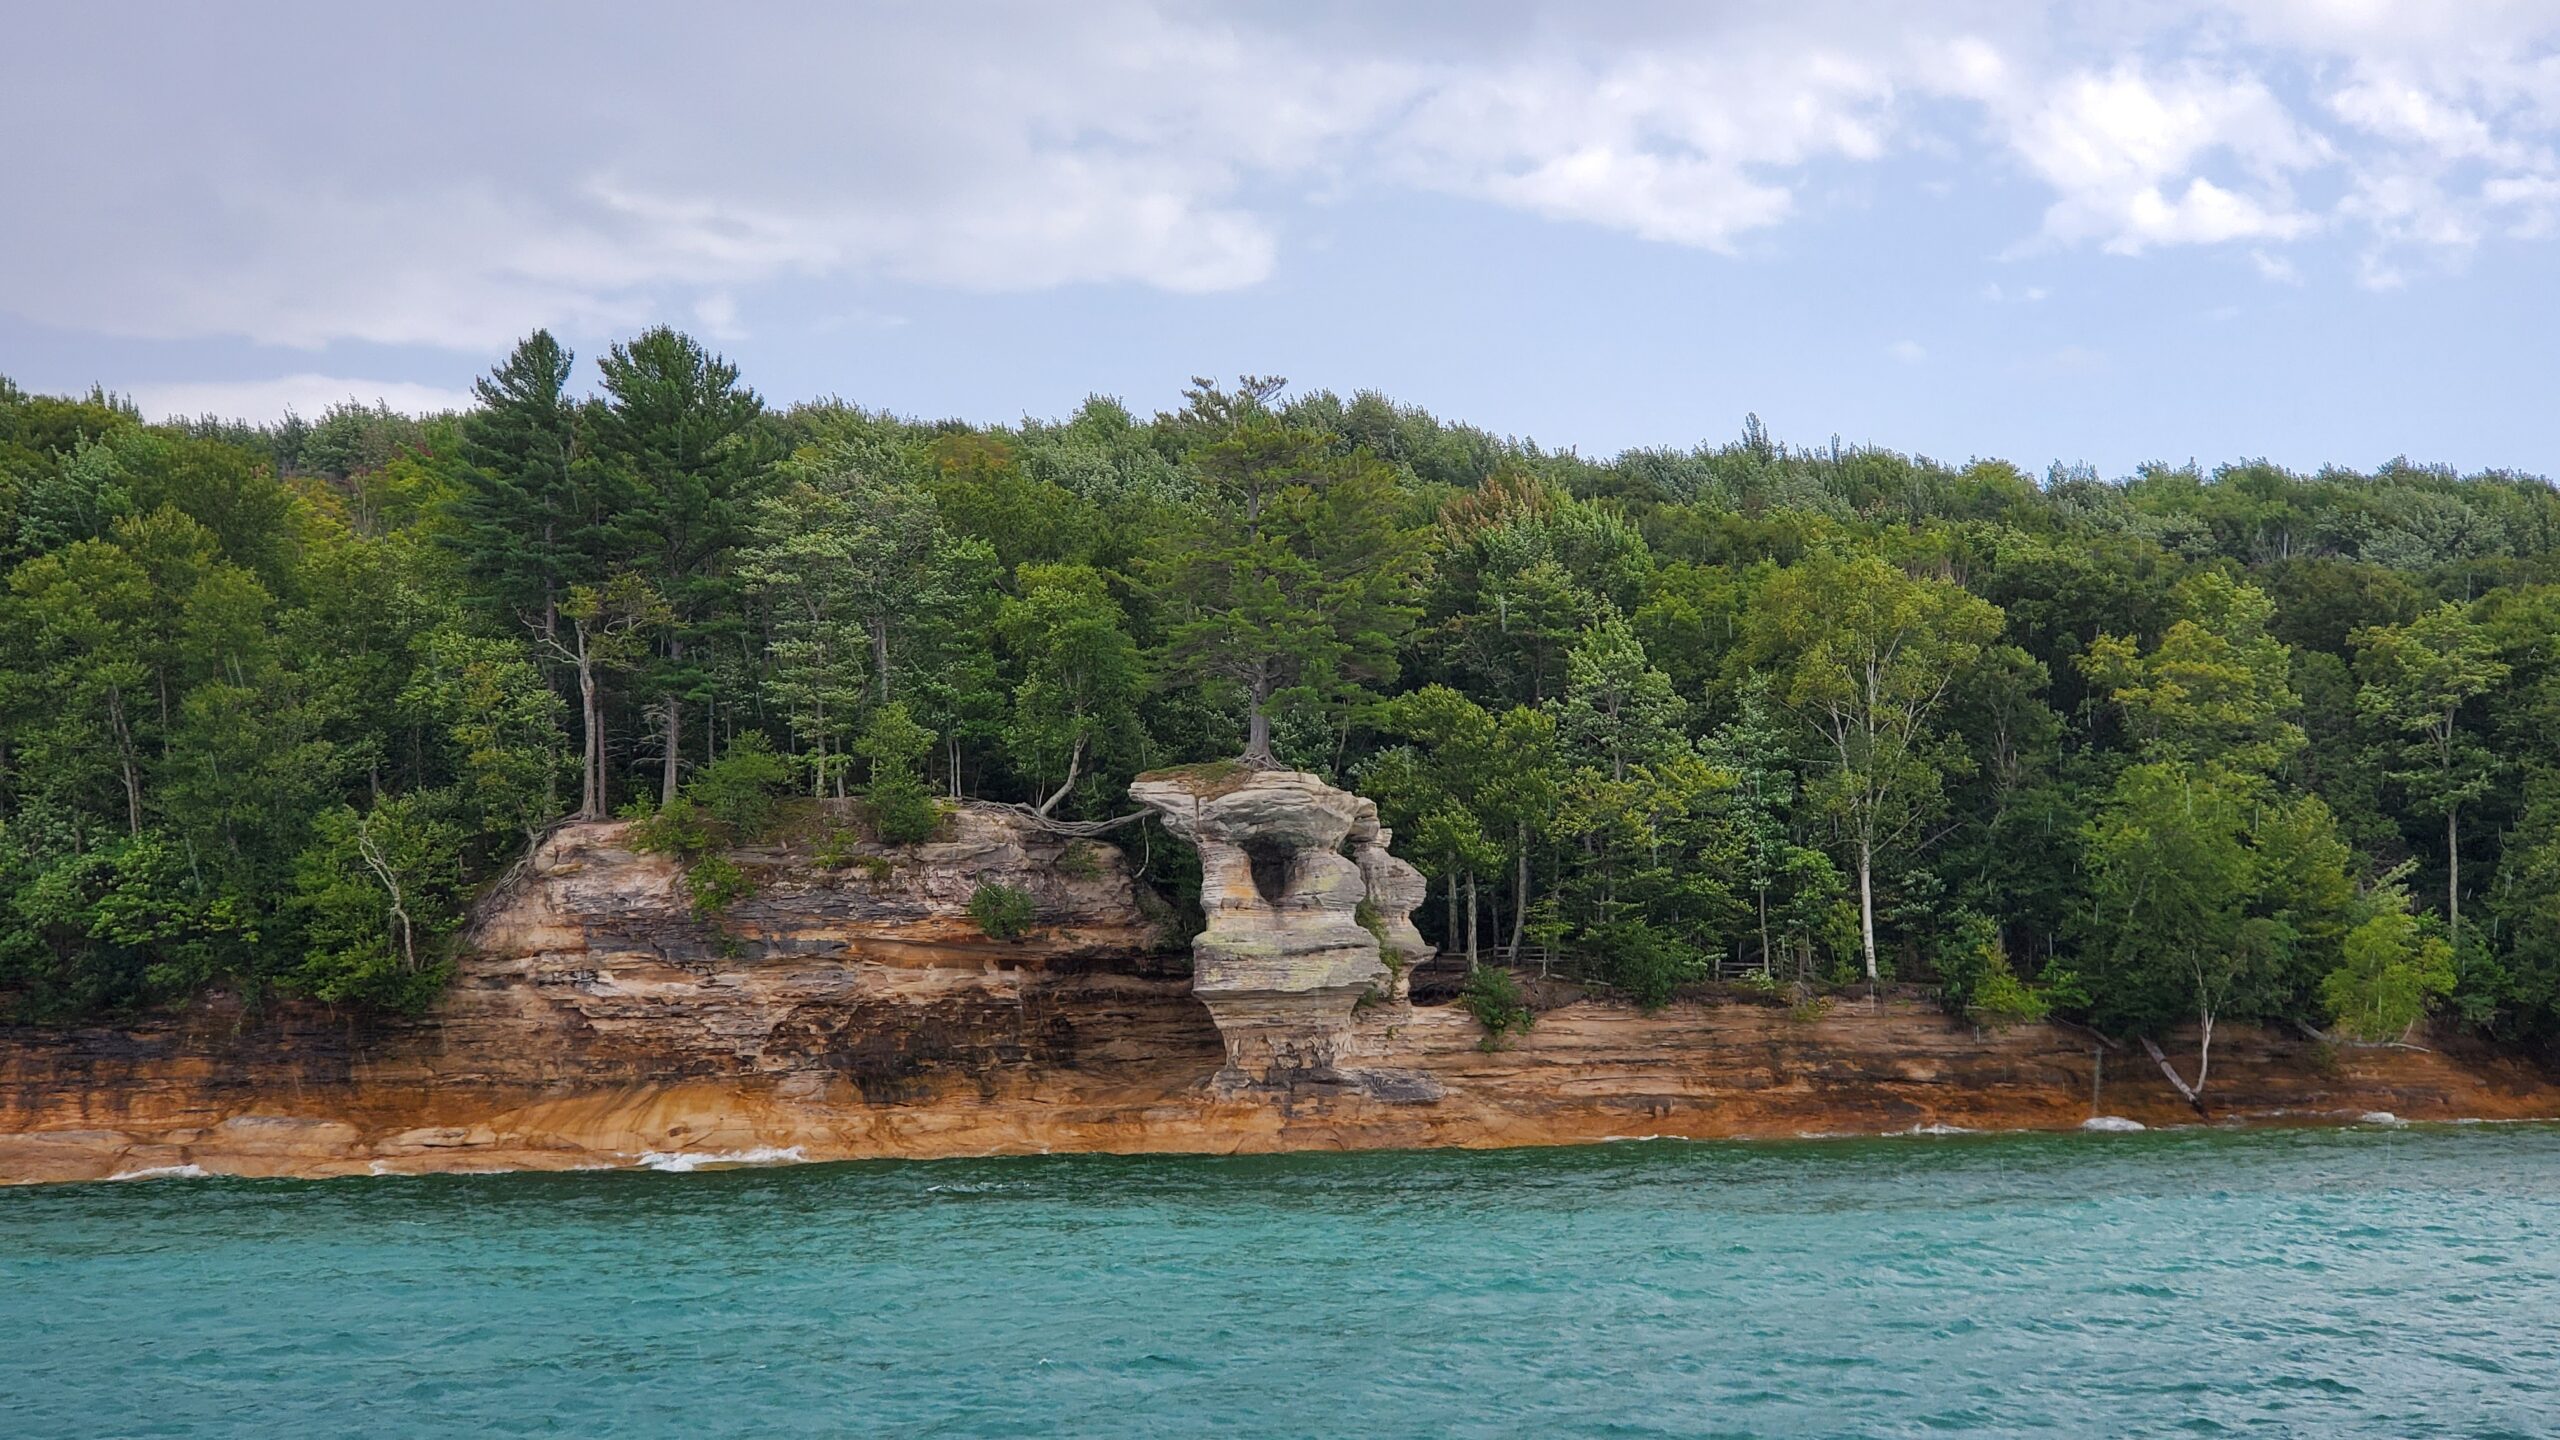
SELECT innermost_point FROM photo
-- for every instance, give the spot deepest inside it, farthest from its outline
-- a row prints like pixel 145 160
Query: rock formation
pixel 1309 920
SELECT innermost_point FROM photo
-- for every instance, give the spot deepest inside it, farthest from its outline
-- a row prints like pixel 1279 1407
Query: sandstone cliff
pixel 856 1011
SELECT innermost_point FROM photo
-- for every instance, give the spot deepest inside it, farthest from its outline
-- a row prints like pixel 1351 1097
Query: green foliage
pixel 678 828
pixel 714 883
pixel 2135 751
pixel 1004 912
pixel 1493 995
pixel 737 790
pixel 2393 971
pixel 902 812
pixel 1080 861
pixel 1648 964
pixel 378 892
pixel 1366 916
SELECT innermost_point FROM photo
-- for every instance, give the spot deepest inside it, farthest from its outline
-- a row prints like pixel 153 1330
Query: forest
pixel 2149 753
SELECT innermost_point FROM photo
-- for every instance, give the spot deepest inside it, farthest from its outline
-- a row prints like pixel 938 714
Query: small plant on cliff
pixel 713 884
pixel 1002 911
pixel 1762 985
pixel 834 850
pixel 1080 861
pixel 1370 920
pixel 1498 1004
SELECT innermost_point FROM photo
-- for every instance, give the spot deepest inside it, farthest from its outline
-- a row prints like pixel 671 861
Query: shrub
pixel 1002 911
pixel 1975 980
pixel 902 812
pixel 1370 920
pixel 2000 998
pixel 737 790
pixel 874 868
pixel 835 849
pixel 2393 970
pixel 1494 997
pixel 1763 984
pixel 679 829
pixel 713 884
pixel 1648 964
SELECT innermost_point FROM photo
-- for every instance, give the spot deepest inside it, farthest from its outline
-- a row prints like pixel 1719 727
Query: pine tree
pixel 677 441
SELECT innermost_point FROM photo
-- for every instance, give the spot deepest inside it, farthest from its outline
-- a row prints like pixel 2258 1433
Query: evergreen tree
pixel 677 442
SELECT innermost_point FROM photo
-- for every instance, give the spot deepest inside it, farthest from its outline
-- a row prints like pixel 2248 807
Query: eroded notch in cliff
pixel 1272 861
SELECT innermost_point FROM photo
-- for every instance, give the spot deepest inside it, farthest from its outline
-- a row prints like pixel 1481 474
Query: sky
pixel 2313 231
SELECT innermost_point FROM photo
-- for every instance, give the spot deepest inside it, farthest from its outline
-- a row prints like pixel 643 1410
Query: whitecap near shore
pixel 2113 1125
pixel 684 1162
pixel 163 1172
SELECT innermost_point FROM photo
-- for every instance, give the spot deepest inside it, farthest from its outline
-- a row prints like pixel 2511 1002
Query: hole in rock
pixel 1271 865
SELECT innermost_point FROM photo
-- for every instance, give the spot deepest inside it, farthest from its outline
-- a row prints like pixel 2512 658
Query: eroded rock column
pixel 1290 868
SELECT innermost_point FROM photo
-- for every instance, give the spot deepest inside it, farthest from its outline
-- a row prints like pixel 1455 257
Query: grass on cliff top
pixel 1207 777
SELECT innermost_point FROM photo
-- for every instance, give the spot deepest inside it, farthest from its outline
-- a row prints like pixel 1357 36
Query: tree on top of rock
pixel 1294 570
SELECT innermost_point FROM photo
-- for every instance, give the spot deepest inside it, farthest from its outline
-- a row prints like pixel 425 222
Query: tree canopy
pixel 2176 750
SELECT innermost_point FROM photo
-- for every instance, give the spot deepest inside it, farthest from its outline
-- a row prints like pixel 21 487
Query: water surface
pixel 2372 1282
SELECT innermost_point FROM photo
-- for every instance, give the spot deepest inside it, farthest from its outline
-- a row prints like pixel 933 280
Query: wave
pixel 681 1162
pixel 164 1172
pixel 2112 1125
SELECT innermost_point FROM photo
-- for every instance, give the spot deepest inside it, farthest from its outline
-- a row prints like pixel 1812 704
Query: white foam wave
pixel 680 1162
pixel 1936 1129
pixel 163 1172
pixel 2113 1124
pixel 2380 1117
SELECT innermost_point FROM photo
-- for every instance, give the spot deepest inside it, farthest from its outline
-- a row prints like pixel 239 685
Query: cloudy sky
pixel 2315 230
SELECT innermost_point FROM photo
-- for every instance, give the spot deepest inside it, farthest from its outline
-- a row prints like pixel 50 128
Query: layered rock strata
pixel 1309 920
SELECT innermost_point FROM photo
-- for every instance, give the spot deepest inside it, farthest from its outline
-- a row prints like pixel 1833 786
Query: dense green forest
pixel 2229 744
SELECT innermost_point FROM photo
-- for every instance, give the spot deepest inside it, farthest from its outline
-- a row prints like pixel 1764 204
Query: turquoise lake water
pixel 2370 1282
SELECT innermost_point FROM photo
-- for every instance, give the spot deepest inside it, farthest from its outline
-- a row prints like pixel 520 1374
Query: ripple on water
pixel 2178 1282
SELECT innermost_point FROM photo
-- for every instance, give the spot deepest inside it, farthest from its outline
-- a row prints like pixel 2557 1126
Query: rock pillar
pixel 1309 919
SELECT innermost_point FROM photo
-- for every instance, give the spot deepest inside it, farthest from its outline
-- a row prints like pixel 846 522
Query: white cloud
pixel 679 161
pixel 2116 145
pixel 305 395
pixel 1909 352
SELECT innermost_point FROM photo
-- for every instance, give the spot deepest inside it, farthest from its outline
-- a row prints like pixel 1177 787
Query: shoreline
pixel 693 1162
pixel 1591 1072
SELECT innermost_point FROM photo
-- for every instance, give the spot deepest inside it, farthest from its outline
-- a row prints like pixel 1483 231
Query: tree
pixel 1752 748
pixel 1429 792
pixel 877 601
pixel 378 891
pixel 1866 656
pixel 902 812
pixel 1293 572
pixel 527 520
pixel 2216 687
pixel 2209 897
pixel 677 442
pixel 2393 969
pixel 609 630
pixel 2418 678
pixel 1081 675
